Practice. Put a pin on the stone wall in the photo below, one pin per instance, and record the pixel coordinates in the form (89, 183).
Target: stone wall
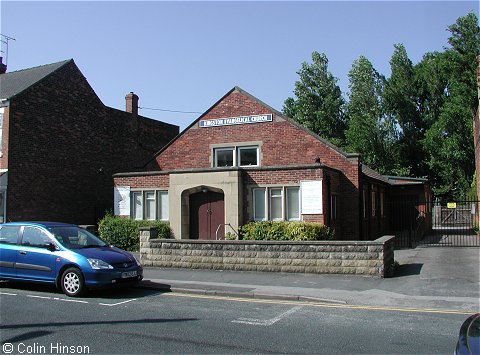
(371, 258)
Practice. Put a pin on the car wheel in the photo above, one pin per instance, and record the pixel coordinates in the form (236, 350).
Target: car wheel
(72, 282)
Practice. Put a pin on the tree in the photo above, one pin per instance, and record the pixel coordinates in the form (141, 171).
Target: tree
(401, 101)
(448, 140)
(319, 103)
(370, 132)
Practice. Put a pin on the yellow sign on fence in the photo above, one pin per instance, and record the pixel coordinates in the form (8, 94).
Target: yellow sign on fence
(451, 205)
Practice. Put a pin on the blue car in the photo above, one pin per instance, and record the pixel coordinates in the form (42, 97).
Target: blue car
(65, 255)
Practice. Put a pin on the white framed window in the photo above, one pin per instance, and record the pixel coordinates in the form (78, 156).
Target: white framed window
(137, 205)
(149, 205)
(163, 205)
(236, 156)
(276, 204)
(224, 157)
(259, 204)
(293, 203)
(150, 210)
(247, 156)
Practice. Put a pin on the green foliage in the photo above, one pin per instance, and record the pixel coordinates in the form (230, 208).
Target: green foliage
(370, 132)
(124, 233)
(416, 123)
(319, 103)
(448, 139)
(289, 231)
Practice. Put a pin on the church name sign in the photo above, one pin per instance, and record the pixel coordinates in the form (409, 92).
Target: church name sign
(231, 121)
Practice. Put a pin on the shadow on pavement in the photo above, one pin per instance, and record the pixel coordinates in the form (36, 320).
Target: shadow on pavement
(408, 270)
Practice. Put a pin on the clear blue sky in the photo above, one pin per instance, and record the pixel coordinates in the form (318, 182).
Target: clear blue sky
(186, 55)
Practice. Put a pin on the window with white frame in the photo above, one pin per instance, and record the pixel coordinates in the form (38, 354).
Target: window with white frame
(162, 212)
(236, 156)
(259, 204)
(137, 205)
(149, 205)
(276, 203)
(224, 157)
(293, 203)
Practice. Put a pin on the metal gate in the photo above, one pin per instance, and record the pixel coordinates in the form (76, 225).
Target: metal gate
(435, 223)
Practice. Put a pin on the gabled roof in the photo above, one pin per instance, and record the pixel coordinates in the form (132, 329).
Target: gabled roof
(13, 83)
(290, 120)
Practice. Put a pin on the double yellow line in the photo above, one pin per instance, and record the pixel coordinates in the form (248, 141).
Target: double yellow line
(324, 305)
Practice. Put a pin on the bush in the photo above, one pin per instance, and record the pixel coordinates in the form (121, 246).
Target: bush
(292, 231)
(124, 233)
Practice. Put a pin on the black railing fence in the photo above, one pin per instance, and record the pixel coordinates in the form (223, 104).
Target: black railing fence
(434, 223)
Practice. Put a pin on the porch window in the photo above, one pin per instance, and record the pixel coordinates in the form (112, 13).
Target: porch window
(374, 203)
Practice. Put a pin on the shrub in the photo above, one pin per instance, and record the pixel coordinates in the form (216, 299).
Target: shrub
(295, 231)
(124, 233)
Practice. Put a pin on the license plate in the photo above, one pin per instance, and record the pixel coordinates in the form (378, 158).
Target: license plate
(129, 274)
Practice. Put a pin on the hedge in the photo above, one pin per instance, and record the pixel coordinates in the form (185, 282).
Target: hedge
(295, 231)
(124, 233)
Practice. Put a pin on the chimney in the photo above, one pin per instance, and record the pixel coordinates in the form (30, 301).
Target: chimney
(131, 101)
(3, 67)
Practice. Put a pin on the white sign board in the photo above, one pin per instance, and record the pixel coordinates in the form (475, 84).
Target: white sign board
(231, 121)
(121, 200)
(311, 192)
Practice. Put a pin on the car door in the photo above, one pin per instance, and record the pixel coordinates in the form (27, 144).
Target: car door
(9, 236)
(35, 260)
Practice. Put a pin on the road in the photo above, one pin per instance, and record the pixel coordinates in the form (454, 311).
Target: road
(39, 320)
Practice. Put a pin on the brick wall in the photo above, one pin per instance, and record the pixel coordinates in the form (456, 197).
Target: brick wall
(64, 146)
(372, 258)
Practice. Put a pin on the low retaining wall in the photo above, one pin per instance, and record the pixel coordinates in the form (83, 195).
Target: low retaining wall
(373, 258)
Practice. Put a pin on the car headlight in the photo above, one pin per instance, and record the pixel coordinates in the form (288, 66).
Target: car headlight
(137, 261)
(99, 264)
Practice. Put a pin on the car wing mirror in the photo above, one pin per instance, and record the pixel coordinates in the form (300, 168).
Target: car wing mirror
(50, 246)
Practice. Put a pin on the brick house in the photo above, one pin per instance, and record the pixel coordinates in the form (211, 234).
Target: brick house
(241, 161)
(60, 145)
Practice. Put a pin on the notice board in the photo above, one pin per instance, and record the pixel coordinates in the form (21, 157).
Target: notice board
(311, 196)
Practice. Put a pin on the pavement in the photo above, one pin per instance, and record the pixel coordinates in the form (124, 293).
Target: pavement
(445, 278)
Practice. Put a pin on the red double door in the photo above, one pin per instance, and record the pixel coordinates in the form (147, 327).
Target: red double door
(207, 212)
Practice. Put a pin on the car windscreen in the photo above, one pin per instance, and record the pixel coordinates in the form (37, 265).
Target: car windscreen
(76, 238)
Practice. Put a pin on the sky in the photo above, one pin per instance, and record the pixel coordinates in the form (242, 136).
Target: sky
(184, 56)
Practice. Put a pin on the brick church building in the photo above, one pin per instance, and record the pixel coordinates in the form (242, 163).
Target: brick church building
(244, 161)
